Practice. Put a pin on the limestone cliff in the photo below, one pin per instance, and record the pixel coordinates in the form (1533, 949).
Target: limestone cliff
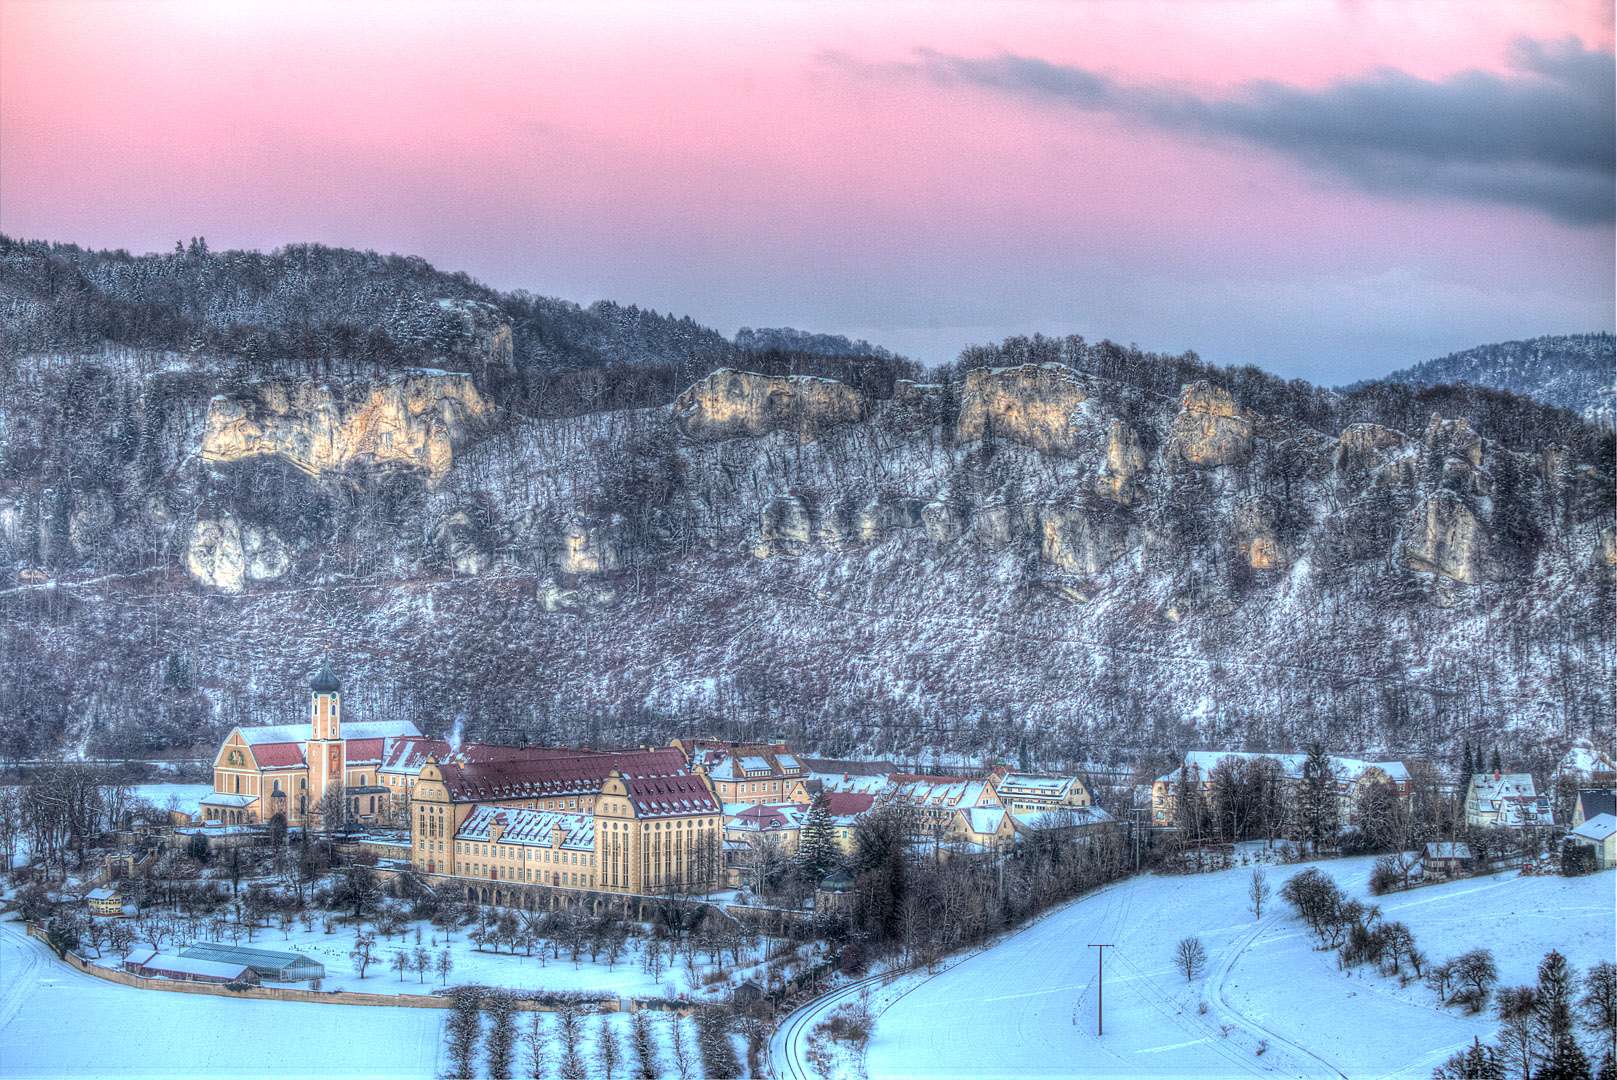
(730, 403)
(1210, 428)
(1258, 535)
(1363, 448)
(1032, 405)
(1446, 537)
(226, 554)
(416, 422)
(1120, 478)
(1080, 541)
(1454, 439)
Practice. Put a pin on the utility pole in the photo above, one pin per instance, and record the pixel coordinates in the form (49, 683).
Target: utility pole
(1137, 826)
(1100, 986)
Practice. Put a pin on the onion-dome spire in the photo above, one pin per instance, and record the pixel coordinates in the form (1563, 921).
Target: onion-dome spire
(325, 680)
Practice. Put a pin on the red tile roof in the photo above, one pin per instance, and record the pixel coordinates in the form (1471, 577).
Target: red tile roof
(279, 755)
(480, 773)
(365, 751)
(849, 803)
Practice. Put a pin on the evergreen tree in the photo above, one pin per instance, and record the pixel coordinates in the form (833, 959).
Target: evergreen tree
(1320, 810)
(1496, 764)
(816, 845)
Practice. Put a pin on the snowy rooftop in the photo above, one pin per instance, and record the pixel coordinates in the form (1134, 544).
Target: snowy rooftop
(529, 827)
(1049, 787)
(1597, 828)
(299, 733)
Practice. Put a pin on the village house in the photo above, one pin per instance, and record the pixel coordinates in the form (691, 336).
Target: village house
(1506, 800)
(747, 772)
(1599, 833)
(1591, 803)
(287, 769)
(1031, 792)
(1445, 858)
(846, 808)
(105, 902)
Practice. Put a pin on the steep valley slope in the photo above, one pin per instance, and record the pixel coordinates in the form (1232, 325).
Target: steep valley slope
(1017, 554)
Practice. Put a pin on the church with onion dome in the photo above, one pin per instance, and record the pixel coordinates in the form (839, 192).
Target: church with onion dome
(291, 769)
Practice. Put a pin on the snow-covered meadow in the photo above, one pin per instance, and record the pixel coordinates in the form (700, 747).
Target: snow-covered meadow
(1273, 1002)
(59, 1022)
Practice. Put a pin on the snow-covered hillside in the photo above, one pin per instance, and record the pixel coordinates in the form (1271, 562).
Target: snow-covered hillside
(1274, 1004)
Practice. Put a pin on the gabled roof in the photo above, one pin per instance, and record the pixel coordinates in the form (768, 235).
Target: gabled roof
(985, 820)
(748, 761)
(1494, 786)
(657, 795)
(1597, 801)
(278, 755)
(1034, 786)
(940, 792)
(1597, 828)
(486, 773)
(849, 804)
(407, 755)
(765, 818)
(1447, 849)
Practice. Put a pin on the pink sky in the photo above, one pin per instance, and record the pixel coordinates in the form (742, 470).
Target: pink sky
(793, 164)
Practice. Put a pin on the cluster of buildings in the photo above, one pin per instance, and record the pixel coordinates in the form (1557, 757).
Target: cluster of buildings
(688, 817)
(648, 821)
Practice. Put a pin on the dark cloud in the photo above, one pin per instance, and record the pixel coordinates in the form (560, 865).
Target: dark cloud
(1540, 136)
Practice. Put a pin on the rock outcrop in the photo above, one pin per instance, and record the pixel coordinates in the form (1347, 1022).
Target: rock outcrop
(592, 546)
(1363, 448)
(1032, 405)
(785, 526)
(1081, 541)
(1210, 428)
(226, 554)
(462, 543)
(729, 404)
(1445, 536)
(1120, 476)
(416, 422)
(1258, 540)
(1454, 439)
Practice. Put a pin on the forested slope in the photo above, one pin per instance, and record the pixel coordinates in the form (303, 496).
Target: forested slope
(610, 525)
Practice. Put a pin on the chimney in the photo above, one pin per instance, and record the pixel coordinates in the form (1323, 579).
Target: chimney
(1496, 775)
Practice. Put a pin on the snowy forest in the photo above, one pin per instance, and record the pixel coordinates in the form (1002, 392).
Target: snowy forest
(607, 525)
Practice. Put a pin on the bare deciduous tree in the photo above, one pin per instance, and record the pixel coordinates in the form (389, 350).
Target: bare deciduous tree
(1190, 957)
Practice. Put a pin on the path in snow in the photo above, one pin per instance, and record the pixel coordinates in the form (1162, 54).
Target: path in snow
(1027, 1006)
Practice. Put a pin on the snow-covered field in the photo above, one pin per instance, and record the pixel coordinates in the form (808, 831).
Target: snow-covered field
(1027, 1007)
(58, 1022)
(185, 797)
(55, 1021)
(626, 978)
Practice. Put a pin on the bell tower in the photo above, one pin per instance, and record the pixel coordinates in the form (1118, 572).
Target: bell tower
(326, 751)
